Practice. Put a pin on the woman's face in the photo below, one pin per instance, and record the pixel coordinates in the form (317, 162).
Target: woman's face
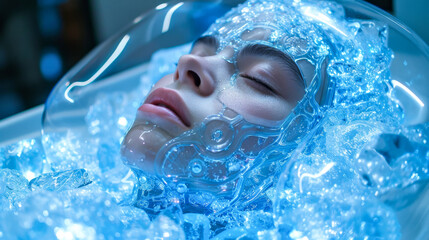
(266, 88)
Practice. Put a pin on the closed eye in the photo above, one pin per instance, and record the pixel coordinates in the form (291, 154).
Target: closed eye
(259, 82)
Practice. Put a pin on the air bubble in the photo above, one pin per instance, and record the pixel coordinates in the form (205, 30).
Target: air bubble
(196, 168)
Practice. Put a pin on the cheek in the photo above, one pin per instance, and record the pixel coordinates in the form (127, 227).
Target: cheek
(262, 110)
(201, 108)
(165, 81)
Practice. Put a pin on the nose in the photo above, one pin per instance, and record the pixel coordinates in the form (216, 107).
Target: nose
(197, 72)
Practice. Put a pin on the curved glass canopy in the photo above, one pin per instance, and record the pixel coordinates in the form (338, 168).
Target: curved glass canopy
(114, 65)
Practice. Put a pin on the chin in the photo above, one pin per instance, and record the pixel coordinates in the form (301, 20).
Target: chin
(141, 144)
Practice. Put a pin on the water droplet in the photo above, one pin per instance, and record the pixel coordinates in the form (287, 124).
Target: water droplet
(181, 188)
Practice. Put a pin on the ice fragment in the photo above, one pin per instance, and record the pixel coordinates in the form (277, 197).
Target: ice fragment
(60, 181)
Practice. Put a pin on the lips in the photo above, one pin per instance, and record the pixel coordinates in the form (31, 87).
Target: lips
(166, 104)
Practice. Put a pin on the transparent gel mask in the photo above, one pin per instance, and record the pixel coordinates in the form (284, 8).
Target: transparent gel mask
(222, 153)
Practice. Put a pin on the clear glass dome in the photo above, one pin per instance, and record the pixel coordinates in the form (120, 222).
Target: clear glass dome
(118, 64)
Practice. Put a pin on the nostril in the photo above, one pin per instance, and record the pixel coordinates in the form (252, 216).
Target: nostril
(195, 77)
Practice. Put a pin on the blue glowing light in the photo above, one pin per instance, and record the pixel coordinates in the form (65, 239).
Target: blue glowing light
(51, 65)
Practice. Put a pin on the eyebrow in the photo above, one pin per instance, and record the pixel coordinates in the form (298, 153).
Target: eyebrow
(208, 40)
(270, 52)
